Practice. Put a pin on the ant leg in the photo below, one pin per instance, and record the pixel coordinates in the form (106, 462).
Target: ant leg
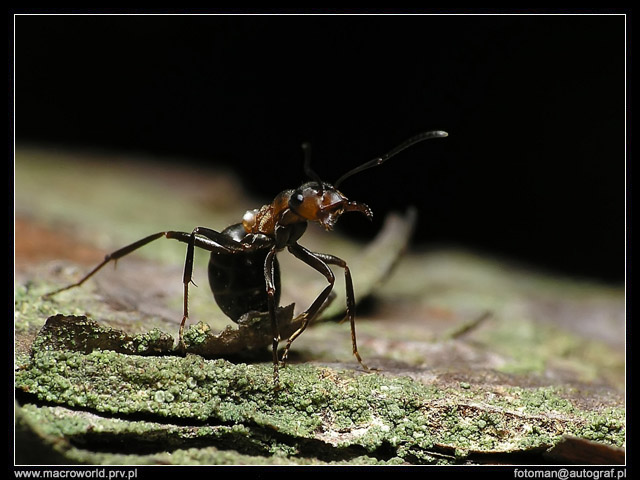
(210, 240)
(219, 240)
(269, 276)
(351, 299)
(317, 263)
(115, 256)
(111, 256)
(187, 277)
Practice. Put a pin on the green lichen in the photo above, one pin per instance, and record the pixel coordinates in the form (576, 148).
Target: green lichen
(30, 311)
(82, 334)
(197, 334)
(607, 426)
(338, 410)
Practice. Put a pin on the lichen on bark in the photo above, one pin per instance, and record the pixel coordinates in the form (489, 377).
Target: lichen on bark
(475, 359)
(336, 414)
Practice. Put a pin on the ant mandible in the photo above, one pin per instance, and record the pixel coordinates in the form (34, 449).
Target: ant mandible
(244, 274)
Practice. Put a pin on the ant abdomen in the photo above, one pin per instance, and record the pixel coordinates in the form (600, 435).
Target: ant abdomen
(237, 279)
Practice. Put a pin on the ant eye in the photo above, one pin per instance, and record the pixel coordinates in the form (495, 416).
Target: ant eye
(296, 199)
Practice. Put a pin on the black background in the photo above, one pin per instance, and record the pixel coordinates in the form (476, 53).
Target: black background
(533, 169)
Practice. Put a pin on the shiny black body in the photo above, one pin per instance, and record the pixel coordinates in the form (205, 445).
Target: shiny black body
(237, 278)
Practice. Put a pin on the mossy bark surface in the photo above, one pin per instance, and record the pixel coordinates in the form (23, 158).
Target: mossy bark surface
(474, 360)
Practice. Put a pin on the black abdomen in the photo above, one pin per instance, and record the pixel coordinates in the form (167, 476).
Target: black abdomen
(237, 279)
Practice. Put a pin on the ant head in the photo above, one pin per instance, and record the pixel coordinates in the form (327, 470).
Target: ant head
(323, 203)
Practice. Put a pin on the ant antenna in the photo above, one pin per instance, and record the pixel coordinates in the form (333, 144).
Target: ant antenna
(307, 166)
(380, 160)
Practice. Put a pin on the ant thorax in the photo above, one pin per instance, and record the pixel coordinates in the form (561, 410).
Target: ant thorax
(265, 219)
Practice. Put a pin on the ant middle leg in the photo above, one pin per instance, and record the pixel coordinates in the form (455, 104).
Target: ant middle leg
(271, 285)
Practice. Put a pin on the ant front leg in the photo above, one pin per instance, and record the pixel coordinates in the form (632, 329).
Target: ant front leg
(351, 300)
(316, 262)
(320, 262)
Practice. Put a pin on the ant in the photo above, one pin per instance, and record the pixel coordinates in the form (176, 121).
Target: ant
(244, 273)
